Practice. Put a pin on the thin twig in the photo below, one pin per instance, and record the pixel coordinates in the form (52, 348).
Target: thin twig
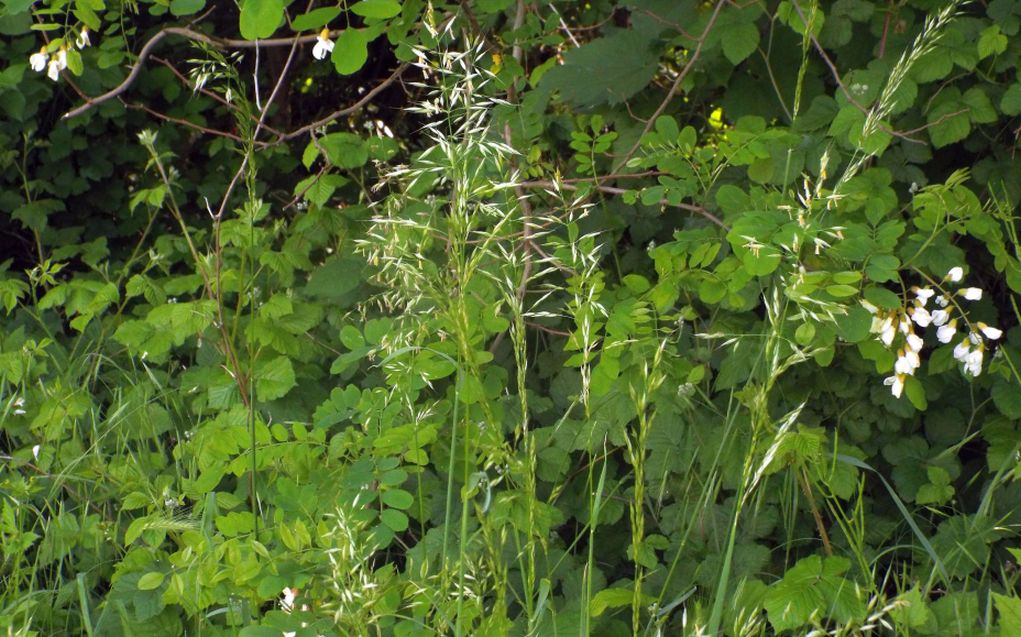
(210, 94)
(183, 122)
(136, 68)
(258, 126)
(843, 88)
(675, 87)
(368, 97)
(612, 190)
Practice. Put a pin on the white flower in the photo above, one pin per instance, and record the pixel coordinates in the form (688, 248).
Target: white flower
(956, 274)
(946, 332)
(940, 317)
(962, 349)
(287, 603)
(83, 38)
(62, 58)
(973, 362)
(35, 451)
(887, 331)
(915, 342)
(923, 295)
(38, 60)
(868, 306)
(896, 384)
(942, 301)
(972, 294)
(907, 362)
(920, 316)
(990, 332)
(53, 70)
(324, 45)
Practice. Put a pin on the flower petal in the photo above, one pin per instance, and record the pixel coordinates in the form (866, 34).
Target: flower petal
(990, 332)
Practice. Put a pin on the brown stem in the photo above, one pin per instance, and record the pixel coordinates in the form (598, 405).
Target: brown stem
(136, 68)
(806, 488)
(568, 185)
(673, 88)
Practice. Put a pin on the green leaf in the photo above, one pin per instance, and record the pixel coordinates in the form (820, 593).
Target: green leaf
(17, 6)
(1007, 398)
(396, 521)
(1010, 103)
(376, 8)
(812, 589)
(915, 393)
(991, 42)
(274, 379)
(610, 598)
(260, 18)
(492, 6)
(882, 298)
(345, 150)
(397, 498)
(1009, 609)
(949, 120)
(186, 7)
(350, 51)
(762, 262)
(801, 18)
(804, 334)
(351, 337)
(854, 326)
(151, 581)
(841, 291)
(739, 41)
(337, 279)
(980, 109)
(315, 19)
(607, 70)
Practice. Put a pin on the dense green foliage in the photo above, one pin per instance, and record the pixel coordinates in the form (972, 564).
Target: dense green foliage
(508, 318)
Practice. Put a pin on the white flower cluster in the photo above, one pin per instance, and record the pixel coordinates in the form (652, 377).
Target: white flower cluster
(888, 324)
(54, 65)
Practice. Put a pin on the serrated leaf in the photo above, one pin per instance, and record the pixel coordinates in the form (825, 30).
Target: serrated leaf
(991, 42)
(345, 150)
(274, 379)
(1009, 609)
(949, 122)
(610, 598)
(1007, 398)
(606, 70)
(1010, 103)
(260, 18)
(350, 51)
